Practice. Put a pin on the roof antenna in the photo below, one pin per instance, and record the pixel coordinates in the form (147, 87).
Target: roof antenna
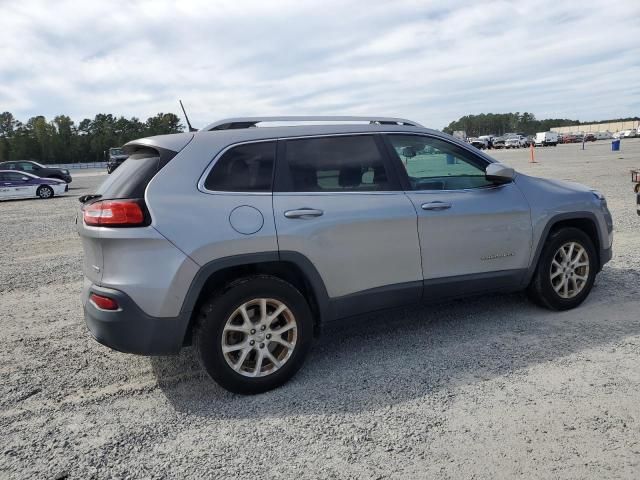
(191, 129)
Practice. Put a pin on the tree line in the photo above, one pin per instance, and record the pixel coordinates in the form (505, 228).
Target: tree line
(500, 123)
(61, 140)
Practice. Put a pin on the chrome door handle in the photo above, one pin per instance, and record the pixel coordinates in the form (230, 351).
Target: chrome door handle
(303, 213)
(436, 206)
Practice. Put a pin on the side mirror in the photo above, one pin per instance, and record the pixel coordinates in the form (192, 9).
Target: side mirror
(499, 173)
(24, 179)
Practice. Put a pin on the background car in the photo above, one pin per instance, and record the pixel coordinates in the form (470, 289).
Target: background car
(589, 137)
(544, 139)
(480, 143)
(37, 169)
(15, 184)
(498, 142)
(516, 141)
(115, 157)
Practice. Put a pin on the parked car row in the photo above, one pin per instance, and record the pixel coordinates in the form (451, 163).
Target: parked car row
(543, 139)
(578, 137)
(29, 179)
(508, 140)
(626, 134)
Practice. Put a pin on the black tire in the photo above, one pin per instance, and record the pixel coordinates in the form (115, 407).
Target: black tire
(44, 191)
(214, 313)
(541, 290)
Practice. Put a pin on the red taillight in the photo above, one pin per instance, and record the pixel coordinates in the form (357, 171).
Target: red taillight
(114, 213)
(105, 303)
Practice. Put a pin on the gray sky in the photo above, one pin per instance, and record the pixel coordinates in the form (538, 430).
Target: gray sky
(429, 61)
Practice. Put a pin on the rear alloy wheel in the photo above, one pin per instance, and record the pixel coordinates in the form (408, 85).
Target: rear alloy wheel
(255, 335)
(566, 270)
(259, 337)
(45, 191)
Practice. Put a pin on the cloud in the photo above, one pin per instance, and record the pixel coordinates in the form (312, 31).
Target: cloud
(429, 61)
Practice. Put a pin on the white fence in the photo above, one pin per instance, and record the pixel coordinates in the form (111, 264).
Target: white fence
(72, 166)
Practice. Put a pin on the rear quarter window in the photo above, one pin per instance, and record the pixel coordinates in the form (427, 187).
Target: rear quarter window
(244, 168)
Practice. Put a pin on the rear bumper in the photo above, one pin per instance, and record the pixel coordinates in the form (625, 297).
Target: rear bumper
(129, 329)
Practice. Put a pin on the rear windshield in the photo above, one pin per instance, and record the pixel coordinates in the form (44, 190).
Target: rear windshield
(131, 178)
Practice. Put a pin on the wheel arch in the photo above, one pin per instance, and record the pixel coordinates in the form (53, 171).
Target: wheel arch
(291, 267)
(584, 221)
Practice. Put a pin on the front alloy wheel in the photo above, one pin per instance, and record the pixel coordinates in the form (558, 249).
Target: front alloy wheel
(45, 191)
(566, 270)
(569, 270)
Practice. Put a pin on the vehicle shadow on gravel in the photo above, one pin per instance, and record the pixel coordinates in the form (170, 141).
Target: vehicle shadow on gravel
(395, 356)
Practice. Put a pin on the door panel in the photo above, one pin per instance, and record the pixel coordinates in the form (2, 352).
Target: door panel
(468, 225)
(339, 203)
(482, 230)
(16, 186)
(359, 242)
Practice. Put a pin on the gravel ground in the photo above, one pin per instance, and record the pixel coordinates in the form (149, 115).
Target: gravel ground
(489, 387)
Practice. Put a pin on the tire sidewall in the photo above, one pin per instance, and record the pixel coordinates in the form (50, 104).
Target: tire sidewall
(556, 240)
(44, 188)
(215, 315)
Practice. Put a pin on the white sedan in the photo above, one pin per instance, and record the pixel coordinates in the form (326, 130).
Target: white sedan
(15, 184)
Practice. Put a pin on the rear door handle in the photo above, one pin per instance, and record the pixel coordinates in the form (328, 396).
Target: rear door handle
(303, 213)
(436, 206)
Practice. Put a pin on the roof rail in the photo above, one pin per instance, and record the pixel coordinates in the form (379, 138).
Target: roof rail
(248, 122)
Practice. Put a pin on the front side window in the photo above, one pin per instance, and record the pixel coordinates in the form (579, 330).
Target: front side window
(28, 166)
(14, 177)
(336, 164)
(245, 168)
(434, 164)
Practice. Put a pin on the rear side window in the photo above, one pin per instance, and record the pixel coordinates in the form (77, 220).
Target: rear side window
(336, 164)
(245, 168)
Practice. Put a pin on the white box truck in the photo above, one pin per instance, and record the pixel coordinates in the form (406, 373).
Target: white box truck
(546, 138)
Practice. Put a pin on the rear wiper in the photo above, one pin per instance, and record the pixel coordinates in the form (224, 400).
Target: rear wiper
(86, 198)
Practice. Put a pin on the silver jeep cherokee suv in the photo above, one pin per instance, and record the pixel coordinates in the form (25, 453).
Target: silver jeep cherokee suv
(242, 241)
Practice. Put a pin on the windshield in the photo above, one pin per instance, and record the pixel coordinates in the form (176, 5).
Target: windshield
(116, 151)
